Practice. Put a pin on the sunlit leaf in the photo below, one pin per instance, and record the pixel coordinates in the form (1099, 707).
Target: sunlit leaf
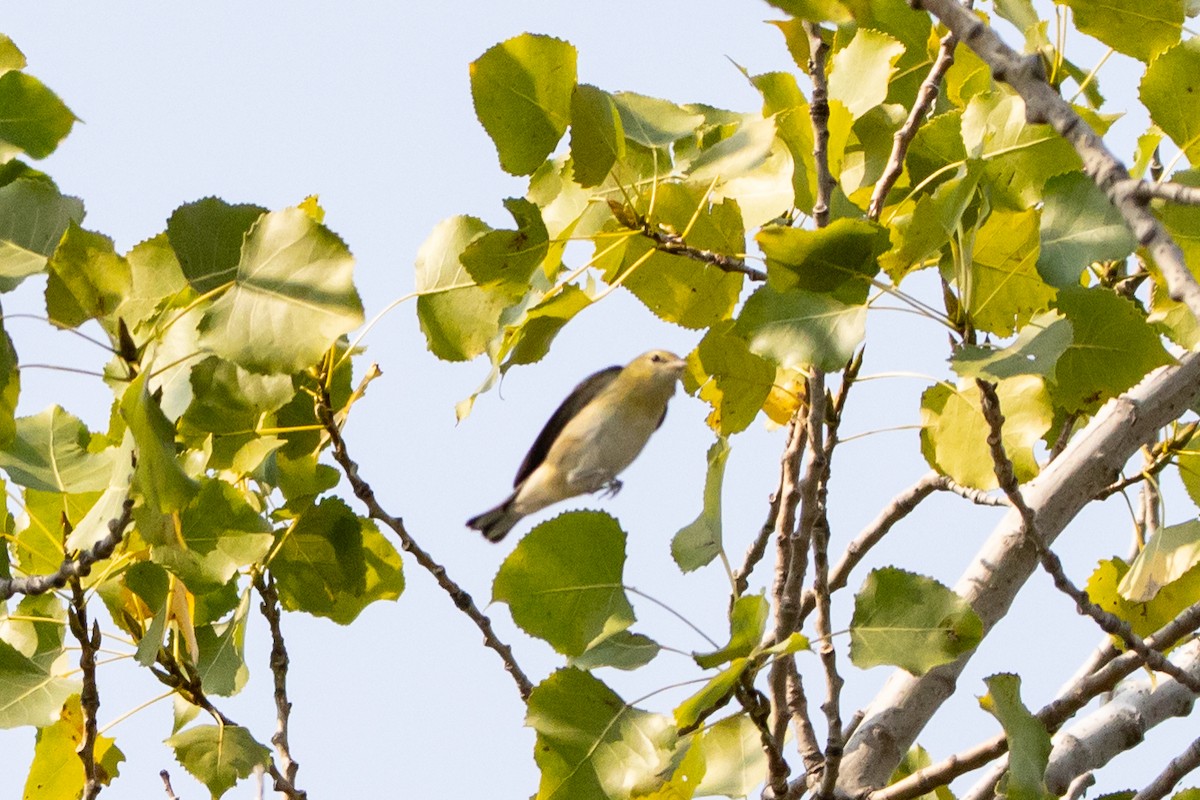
(33, 218)
(716, 691)
(222, 661)
(504, 260)
(731, 379)
(1002, 289)
(1170, 552)
(1138, 28)
(697, 544)
(652, 122)
(862, 69)
(218, 755)
(88, 280)
(522, 91)
(292, 298)
(1079, 226)
(787, 105)
(50, 453)
(733, 757)
(159, 474)
(622, 650)
(910, 621)
(1143, 617)
(32, 690)
(57, 769)
(840, 259)
(1035, 351)
(747, 621)
(32, 118)
(796, 329)
(597, 137)
(1170, 83)
(563, 582)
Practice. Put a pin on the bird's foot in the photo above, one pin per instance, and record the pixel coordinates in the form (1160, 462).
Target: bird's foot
(611, 488)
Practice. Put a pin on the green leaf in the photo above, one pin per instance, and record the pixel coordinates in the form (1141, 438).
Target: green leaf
(505, 260)
(522, 91)
(36, 629)
(597, 138)
(1170, 83)
(32, 118)
(921, 235)
(1035, 351)
(50, 453)
(840, 259)
(1113, 348)
(222, 661)
(458, 318)
(786, 104)
(910, 621)
(954, 431)
(228, 399)
(1079, 226)
(734, 761)
(57, 770)
(816, 10)
(32, 690)
(218, 755)
(591, 745)
(93, 526)
(1138, 29)
(1018, 157)
(1170, 553)
(697, 544)
(207, 237)
(1143, 618)
(737, 154)
(159, 474)
(713, 693)
(796, 329)
(1002, 289)
(623, 650)
(1028, 741)
(33, 218)
(915, 760)
(88, 280)
(677, 289)
(682, 782)
(156, 275)
(528, 341)
(731, 379)
(334, 564)
(654, 123)
(862, 69)
(292, 299)
(219, 533)
(563, 582)
(11, 56)
(747, 621)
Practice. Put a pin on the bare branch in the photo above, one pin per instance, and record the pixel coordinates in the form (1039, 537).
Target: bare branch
(674, 244)
(1043, 104)
(89, 695)
(166, 779)
(903, 137)
(818, 110)
(1162, 453)
(754, 553)
(1171, 192)
(1109, 623)
(78, 566)
(460, 597)
(1166, 780)
(279, 668)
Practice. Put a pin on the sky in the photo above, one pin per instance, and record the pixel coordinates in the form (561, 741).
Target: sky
(368, 106)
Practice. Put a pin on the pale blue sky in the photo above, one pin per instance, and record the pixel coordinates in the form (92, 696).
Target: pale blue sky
(368, 106)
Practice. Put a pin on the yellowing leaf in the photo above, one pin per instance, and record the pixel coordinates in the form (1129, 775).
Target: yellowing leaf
(1002, 289)
(862, 69)
(1170, 553)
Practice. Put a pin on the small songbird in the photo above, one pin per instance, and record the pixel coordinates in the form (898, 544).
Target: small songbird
(597, 432)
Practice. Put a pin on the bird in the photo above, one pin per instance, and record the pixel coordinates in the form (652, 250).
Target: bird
(594, 434)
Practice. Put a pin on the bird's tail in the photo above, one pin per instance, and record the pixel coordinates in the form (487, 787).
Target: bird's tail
(496, 523)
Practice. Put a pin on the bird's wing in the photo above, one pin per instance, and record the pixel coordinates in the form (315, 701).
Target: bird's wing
(579, 397)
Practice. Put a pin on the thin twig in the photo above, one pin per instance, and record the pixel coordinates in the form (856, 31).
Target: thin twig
(1109, 623)
(458, 595)
(1162, 454)
(1079, 786)
(89, 695)
(279, 668)
(77, 566)
(903, 137)
(758, 548)
(1166, 780)
(674, 244)
(1171, 192)
(166, 779)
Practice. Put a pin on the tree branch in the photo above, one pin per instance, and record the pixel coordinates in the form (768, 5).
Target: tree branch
(1044, 105)
(1091, 461)
(89, 696)
(1171, 192)
(279, 668)
(460, 597)
(78, 566)
(1166, 780)
(674, 244)
(818, 110)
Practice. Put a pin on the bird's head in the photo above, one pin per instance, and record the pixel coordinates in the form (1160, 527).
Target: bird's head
(657, 367)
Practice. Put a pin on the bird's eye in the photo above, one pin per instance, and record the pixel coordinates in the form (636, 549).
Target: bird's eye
(657, 358)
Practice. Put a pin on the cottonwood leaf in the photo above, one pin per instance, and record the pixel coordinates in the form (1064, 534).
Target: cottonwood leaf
(730, 378)
(32, 118)
(677, 289)
(1169, 553)
(910, 621)
(691, 710)
(734, 761)
(797, 329)
(597, 136)
(49, 452)
(218, 755)
(87, 280)
(57, 770)
(622, 650)
(1169, 89)
(591, 745)
(222, 660)
(563, 582)
(504, 260)
(1028, 741)
(1035, 351)
(32, 690)
(817, 10)
(786, 104)
(334, 564)
(207, 237)
(840, 259)
(1133, 27)
(747, 621)
(954, 431)
(699, 543)
(159, 475)
(1079, 226)
(293, 297)
(1112, 349)
(33, 217)
(1003, 289)
(653, 123)
(522, 92)
(862, 69)
(1143, 618)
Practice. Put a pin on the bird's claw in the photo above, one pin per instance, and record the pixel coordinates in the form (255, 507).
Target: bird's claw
(611, 488)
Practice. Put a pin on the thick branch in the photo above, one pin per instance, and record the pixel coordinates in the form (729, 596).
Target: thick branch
(460, 597)
(89, 696)
(818, 110)
(1171, 192)
(78, 566)
(1091, 461)
(1043, 104)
